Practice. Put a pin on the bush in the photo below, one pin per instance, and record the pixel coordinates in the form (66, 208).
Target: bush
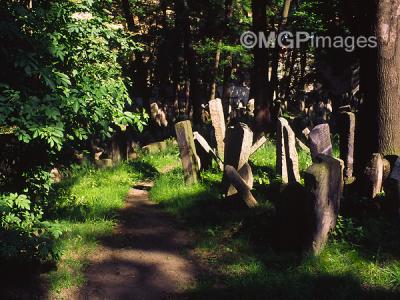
(23, 234)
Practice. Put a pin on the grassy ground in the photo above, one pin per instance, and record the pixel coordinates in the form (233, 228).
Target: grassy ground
(235, 245)
(86, 206)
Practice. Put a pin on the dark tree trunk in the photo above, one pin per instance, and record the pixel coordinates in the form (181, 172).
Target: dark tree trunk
(182, 13)
(138, 68)
(275, 60)
(379, 116)
(259, 78)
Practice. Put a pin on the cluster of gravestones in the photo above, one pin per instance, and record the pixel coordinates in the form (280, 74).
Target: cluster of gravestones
(306, 213)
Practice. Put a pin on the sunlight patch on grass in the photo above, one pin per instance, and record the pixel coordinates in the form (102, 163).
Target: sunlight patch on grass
(170, 190)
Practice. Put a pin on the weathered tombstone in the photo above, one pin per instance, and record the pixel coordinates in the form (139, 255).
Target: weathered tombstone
(187, 149)
(218, 122)
(205, 152)
(324, 185)
(241, 186)
(258, 144)
(373, 176)
(104, 163)
(301, 145)
(238, 142)
(392, 188)
(287, 163)
(155, 147)
(320, 141)
(247, 175)
(347, 124)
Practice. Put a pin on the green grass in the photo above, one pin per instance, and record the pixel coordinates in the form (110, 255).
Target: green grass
(235, 245)
(164, 159)
(85, 204)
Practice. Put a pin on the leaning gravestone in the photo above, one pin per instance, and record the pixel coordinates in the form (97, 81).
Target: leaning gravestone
(287, 163)
(218, 122)
(324, 186)
(238, 142)
(392, 188)
(240, 185)
(373, 176)
(208, 152)
(320, 141)
(347, 124)
(247, 175)
(187, 149)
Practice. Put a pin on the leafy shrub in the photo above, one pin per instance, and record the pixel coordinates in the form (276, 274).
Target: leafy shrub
(23, 234)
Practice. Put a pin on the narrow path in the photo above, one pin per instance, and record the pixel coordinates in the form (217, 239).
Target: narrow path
(145, 257)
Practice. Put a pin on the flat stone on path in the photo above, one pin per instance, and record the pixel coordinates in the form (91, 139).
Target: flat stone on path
(144, 258)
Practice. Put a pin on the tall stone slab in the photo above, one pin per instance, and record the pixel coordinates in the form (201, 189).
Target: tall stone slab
(324, 186)
(320, 141)
(287, 162)
(392, 188)
(218, 122)
(373, 176)
(187, 149)
(347, 126)
(238, 143)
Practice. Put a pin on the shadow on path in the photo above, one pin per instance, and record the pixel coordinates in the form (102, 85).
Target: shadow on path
(147, 256)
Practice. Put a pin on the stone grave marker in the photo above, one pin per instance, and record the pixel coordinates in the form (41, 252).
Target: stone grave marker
(324, 187)
(320, 141)
(187, 149)
(218, 122)
(347, 126)
(286, 155)
(373, 176)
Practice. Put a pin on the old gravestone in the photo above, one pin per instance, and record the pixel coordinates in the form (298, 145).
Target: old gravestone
(392, 188)
(347, 123)
(205, 152)
(324, 188)
(373, 176)
(238, 142)
(320, 141)
(187, 149)
(238, 180)
(218, 122)
(287, 163)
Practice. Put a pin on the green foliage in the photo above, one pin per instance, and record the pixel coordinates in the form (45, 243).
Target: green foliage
(68, 55)
(346, 230)
(23, 234)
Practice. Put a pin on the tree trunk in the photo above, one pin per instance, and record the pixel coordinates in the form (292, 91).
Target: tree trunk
(388, 114)
(259, 78)
(182, 10)
(275, 61)
(379, 117)
(137, 66)
(214, 75)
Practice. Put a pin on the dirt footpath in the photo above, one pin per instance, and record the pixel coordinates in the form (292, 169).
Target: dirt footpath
(145, 258)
